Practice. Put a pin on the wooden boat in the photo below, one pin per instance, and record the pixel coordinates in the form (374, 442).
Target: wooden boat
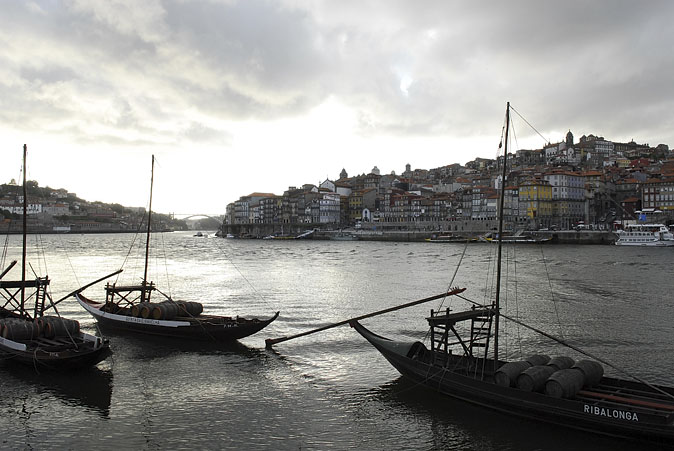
(463, 362)
(132, 309)
(517, 238)
(28, 335)
(450, 239)
(167, 318)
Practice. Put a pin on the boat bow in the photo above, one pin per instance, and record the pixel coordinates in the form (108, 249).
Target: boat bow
(387, 346)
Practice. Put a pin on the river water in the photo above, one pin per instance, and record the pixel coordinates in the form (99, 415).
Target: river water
(329, 390)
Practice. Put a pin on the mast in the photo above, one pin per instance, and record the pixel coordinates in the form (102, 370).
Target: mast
(500, 238)
(147, 241)
(23, 252)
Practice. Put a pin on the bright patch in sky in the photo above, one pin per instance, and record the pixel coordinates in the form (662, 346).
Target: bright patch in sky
(405, 83)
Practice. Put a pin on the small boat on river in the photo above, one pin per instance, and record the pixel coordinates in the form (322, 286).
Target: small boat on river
(133, 308)
(519, 237)
(32, 332)
(463, 362)
(451, 239)
(653, 235)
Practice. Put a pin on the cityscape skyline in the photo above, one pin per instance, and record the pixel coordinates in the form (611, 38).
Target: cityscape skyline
(234, 97)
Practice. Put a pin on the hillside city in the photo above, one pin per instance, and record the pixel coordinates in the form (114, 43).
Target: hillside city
(52, 210)
(593, 183)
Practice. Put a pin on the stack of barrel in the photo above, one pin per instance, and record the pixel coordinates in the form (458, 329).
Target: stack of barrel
(45, 326)
(190, 308)
(559, 377)
(166, 310)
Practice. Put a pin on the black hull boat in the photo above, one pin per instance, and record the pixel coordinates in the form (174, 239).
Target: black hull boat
(184, 326)
(80, 351)
(133, 309)
(463, 362)
(613, 407)
(31, 337)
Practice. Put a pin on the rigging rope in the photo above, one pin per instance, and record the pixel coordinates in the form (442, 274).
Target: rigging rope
(527, 122)
(4, 249)
(552, 294)
(168, 280)
(70, 263)
(241, 274)
(517, 304)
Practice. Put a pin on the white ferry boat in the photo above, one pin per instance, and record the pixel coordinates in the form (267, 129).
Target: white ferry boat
(645, 235)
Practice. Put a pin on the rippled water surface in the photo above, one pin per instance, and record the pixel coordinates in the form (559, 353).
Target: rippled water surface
(329, 390)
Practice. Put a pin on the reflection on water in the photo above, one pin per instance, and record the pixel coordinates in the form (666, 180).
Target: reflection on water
(90, 389)
(332, 389)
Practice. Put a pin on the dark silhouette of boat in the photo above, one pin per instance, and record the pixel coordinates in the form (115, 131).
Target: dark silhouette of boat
(133, 309)
(28, 335)
(463, 362)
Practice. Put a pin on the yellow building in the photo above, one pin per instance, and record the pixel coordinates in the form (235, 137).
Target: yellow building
(535, 200)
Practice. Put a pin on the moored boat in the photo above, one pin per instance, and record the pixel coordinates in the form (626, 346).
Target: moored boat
(450, 239)
(518, 237)
(463, 361)
(32, 332)
(132, 308)
(167, 318)
(654, 235)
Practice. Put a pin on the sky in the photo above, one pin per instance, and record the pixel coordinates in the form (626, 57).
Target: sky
(234, 97)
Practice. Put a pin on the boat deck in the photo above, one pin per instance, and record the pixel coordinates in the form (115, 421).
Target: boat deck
(55, 344)
(637, 397)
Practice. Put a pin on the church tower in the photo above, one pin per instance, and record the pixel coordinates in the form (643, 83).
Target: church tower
(569, 139)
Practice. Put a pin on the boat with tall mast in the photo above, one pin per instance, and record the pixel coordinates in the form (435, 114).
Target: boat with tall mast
(132, 308)
(29, 335)
(463, 362)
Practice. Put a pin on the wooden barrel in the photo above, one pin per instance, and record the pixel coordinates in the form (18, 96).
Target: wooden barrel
(146, 309)
(44, 322)
(538, 359)
(534, 378)
(59, 327)
(194, 308)
(21, 330)
(135, 309)
(561, 362)
(164, 310)
(564, 383)
(593, 371)
(507, 374)
(182, 309)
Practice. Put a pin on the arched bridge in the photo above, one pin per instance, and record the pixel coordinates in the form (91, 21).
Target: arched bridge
(186, 216)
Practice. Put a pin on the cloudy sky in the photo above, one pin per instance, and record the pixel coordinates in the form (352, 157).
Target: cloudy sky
(240, 96)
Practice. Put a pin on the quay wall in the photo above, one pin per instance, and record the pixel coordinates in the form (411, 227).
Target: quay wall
(420, 232)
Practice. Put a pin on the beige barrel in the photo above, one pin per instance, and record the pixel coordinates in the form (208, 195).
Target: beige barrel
(21, 330)
(53, 326)
(146, 309)
(164, 310)
(136, 308)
